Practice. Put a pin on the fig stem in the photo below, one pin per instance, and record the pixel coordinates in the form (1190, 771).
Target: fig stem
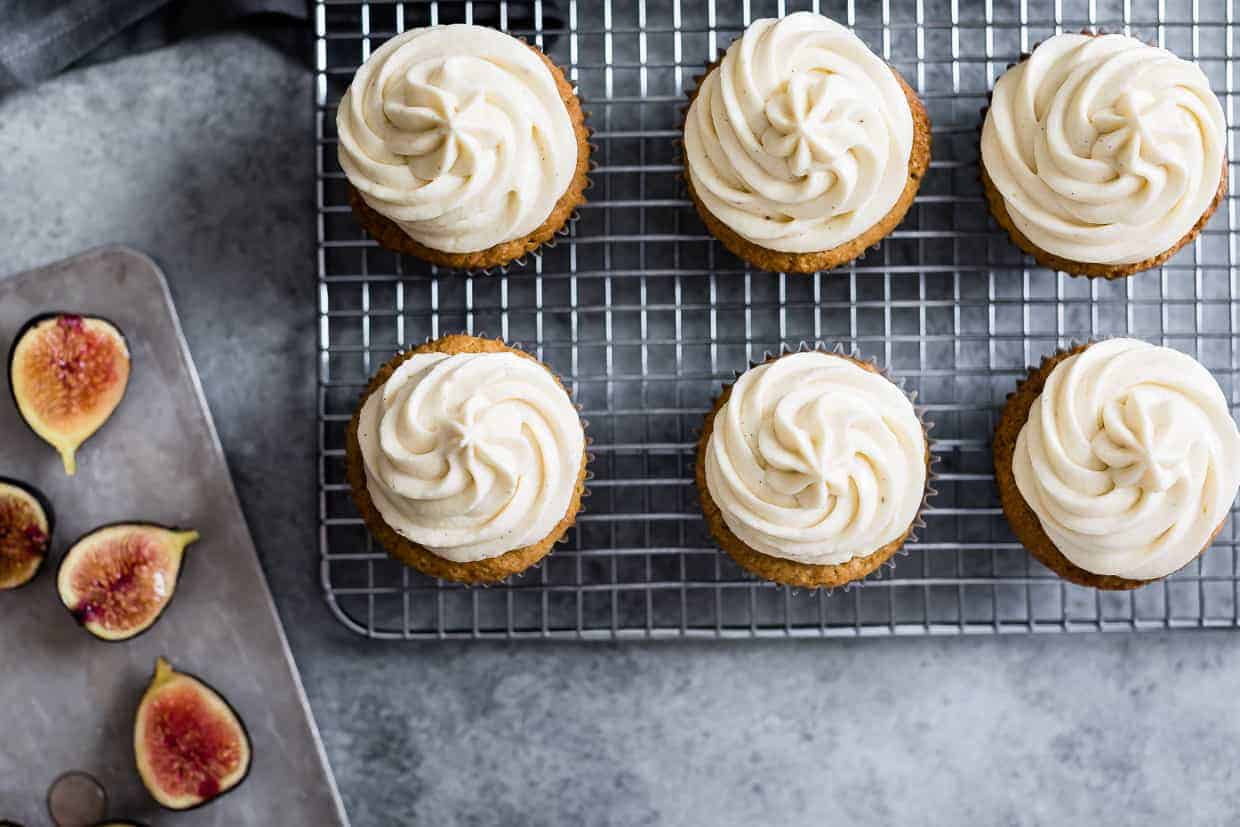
(69, 457)
(188, 537)
(163, 672)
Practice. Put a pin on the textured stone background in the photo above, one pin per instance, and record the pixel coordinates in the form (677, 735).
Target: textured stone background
(201, 155)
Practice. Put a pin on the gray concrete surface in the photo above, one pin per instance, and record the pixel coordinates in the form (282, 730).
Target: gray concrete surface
(202, 156)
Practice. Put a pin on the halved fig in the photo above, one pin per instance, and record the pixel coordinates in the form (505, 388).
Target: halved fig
(25, 532)
(68, 373)
(190, 745)
(118, 579)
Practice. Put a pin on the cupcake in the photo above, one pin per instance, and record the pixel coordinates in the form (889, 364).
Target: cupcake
(463, 146)
(1102, 156)
(1117, 462)
(802, 147)
(466, 459)
(812, 469)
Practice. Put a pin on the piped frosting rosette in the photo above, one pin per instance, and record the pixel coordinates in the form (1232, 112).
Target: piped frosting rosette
(1129, 458)
(816, 459)
(800, 140)
(1105, 150)
(458, 134)
(471, 455)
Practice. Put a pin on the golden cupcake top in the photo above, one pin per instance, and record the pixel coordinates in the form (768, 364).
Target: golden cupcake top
(799, 141)
(1104, 149)
(816, 459)
(471, 455)
(1129, 458)
(459, 135)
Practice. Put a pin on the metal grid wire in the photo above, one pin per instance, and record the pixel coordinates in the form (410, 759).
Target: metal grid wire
(645, 315)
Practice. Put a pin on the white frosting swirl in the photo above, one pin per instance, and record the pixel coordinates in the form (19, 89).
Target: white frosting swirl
(816, 459)
(800, 140)
(459, 135)
(1130, 459)
(471, 455)
(1105, 150)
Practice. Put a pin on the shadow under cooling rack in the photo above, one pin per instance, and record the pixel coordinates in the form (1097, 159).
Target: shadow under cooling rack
(645, 316)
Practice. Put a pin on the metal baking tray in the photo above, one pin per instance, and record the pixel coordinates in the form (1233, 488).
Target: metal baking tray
(645, 316)
(67, 701)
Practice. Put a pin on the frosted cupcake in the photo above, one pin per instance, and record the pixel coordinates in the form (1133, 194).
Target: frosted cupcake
(463, 146)
(1102, 156)
(812, 469)
(1117, 462)
(466, 459)
(802, 147)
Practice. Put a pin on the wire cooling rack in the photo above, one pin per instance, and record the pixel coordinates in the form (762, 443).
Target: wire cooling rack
(644, 315)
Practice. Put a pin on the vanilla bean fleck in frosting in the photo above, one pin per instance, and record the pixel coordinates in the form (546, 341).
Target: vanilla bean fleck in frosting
(1105, 150)
(1129, 458)
(459, 135)
(815, 459)
(471, 455)
(800, 140)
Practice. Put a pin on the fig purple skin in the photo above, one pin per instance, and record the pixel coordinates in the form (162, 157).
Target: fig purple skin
(190, 745)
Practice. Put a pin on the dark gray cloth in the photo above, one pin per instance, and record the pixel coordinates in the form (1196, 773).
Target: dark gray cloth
(39, 38)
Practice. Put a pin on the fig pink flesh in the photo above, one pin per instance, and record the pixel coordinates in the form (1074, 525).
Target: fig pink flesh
(124, 581)
(68, 369)
(189, 746)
